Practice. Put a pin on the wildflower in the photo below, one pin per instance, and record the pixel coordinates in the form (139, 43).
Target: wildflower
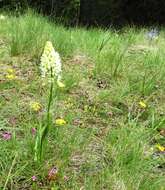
(10, 76)
(10, 71)
(52, 173)
(6, 136)
(60, 122)
(160, 148)
(35, 106)
(50, 62)
(142, 104)
(34, 178)
(60, 84)
(33, 130)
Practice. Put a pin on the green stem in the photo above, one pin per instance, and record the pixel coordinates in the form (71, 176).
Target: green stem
(49, 103)
(44, 129)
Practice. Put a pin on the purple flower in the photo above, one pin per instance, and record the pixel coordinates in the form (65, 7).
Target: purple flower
(34, 178)
(7, 136)
(33, 130)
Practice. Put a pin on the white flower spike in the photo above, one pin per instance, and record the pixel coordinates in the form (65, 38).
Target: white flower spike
(50, 62)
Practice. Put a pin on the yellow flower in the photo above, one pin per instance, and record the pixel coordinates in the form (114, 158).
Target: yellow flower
(10, 76)
(142, 104)
(60, 122)
(10, 71)
(160, 148)
(35, 106)
(60, 84)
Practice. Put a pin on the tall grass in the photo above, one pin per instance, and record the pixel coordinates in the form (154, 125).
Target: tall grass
(29, 33)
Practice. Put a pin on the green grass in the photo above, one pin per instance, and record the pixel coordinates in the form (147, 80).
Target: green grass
(109, 140)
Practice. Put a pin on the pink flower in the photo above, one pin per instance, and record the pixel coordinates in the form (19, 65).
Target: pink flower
(34, 178)
(6, 136)
(34, 130)
(52, 173)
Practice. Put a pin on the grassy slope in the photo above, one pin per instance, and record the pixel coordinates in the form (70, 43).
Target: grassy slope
(109, 141)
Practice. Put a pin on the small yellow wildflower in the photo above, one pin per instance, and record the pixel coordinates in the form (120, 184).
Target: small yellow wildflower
(10, 71)
(160, 148)
(35, 106)
(60, 84)
(142, 104)
(60, 122)
(10, 76)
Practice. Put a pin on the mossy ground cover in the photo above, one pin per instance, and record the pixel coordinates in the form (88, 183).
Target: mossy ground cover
(113, 104)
